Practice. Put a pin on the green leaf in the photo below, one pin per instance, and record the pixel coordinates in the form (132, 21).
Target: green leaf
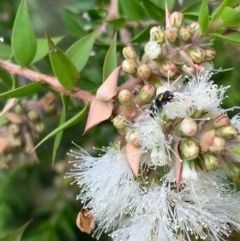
(192, 11)
(203, 18)
(24, 43)
(5, 51)
(16, 234)
(79, 52)
(233, 37)
(117, 22)
(132, 9)
(161, 4)
(231, 17)
(143, 36)
(110, 61)
(154, 11)
(22, 91)
(42, 48)
(63, 68)
(74, 120)
(225, 3)
(58, 137)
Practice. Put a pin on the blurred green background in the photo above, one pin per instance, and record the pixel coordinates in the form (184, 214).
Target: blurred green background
(39, 191)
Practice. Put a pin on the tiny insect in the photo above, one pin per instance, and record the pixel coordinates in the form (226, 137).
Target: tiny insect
(159, 101)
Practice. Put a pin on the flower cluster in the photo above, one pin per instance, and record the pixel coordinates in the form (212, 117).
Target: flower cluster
(170, 174)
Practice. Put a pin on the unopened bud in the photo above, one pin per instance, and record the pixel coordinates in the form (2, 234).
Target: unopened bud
(144, 71)
(194, 26)
(210, 54)
(211, 161)
(227, 132)
(157, 34)
(189, 149)
(14, 128)
(176, 19)
(146, 94)
(16, 142)
(171, 34)
(133, 138)
(119, 122)
(189, 170)
(33, 115)
(152, 50)
(184, 34)
(168, 69)
(217, 145)
(125, 97)
(39, 127)
(197, 55)
(130, 66)
(221, 120)
(188, 70)
(129, 52)
(187, 127)
(234, 171)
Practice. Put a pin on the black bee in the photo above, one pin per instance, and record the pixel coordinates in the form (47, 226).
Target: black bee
(159, 101)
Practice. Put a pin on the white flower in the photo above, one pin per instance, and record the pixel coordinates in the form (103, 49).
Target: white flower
(236, 121)
(199, 94)
(152, 50)
(107, 185)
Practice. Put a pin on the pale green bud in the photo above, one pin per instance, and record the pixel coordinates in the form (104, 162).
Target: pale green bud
(129, 52)
(14, 128)
(184, 34)
(157, 34)
(171, 34)
(217, 145)
(146, 94)
(130, 66)
(188, 70)
(125, 97)
(187, 127)
(119, 122)
(221, 120)
(210, 54)
(189, 149)
(197, 55)
(234, 171)
(144, 71)
(227, 132)
(211, 161)
(133, 138)
(33, 115)
(39, 127)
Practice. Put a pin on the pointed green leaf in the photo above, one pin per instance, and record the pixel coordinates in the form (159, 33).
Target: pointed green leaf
(233, 37)
(5, 51)
(225, 3)
(192, 11)
(79, 52)
(143, 36)
(24, 43)
(231, 17)
(16, 234)
(62, 66)
(110, 61)
(132, 9)
(22, 91)
(58, 137)
(75, 119)
(203, 18)
(42, 48)
(154, 11)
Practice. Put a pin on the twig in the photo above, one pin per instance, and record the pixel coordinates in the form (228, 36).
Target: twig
(49, 80)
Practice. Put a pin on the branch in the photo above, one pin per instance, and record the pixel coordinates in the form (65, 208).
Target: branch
(49, 80)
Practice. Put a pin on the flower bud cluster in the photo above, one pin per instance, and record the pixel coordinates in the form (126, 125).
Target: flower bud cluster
(171, 52)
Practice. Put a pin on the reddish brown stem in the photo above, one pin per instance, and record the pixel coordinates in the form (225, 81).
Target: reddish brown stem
(49, 80)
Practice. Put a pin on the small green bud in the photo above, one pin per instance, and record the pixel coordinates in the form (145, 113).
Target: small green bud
(188, 70)
(194, 26)
(234, 171)
(130, 66)
(14, 128)
(129, 52)
(227, 132)
(221, 120)
(157, 34)
(16, 142)
(176, 19)
(171, 34)
(187, 127)
(33, 115)
(133, 138)
(39, 127)
(146, 95)
(189, 149)
(210, 54)
(184, 34)
(119, 122)
(144, 71)
(125, 97)
(211, 161)
(197, 55)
